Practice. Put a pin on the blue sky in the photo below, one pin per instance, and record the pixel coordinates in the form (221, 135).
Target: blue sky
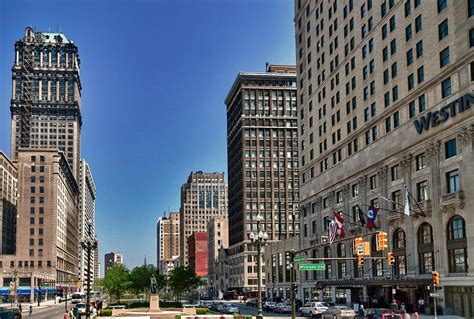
(154, 75)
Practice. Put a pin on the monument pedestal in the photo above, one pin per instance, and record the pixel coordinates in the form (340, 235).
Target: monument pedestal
(154, 303)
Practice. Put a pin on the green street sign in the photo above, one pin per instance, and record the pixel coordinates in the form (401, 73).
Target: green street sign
(299, 259)
(320, 266)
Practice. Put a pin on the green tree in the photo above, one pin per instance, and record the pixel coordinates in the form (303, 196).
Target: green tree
(140, 278)
(183, 280)
(117, 281)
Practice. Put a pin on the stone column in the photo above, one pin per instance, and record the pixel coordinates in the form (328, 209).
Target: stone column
(410, 232)
(439, 245)
(383, 204)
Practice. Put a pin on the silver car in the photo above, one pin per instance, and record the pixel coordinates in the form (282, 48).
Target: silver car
(338, 312)
(230, 309)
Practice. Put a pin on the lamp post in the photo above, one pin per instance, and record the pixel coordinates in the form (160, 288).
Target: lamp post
(259, 239)
(89, 243)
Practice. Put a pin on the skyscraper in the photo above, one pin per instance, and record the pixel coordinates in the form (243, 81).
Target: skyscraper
(8, 201)
(86, 220)
(167, 241)
(46, 95)
(262, 150)
(111, 259)
(386, 92)
(202, 197)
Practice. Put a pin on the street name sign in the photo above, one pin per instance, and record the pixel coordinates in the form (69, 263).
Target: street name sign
(299, 259)
(320, 266)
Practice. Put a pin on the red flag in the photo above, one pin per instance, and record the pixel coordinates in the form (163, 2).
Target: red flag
(339, 219)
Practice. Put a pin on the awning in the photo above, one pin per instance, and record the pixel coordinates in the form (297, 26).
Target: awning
(4, 291)
(353, 283)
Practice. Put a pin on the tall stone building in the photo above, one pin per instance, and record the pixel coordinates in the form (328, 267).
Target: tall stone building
(111, 259)
(167, 242)
(262, 148)
(46, 95)
(86, 221)
(197, 253)
(203, 196)
(217, 238)
(8, 200)
(385, 92)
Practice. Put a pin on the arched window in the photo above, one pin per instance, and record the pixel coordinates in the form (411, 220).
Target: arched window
(341, 265)
(425, 248)
(457, 245)
(399, 251)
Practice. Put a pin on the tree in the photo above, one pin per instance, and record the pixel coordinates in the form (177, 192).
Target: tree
(183, 280)
(117, 281)
(140, 278)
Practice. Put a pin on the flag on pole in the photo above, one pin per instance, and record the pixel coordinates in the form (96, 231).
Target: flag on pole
(407, 203)
(339, 219)
(332, 230)
(372, 213)
(361, 216)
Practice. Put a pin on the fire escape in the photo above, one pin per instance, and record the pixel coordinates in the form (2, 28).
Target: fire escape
(27, 94)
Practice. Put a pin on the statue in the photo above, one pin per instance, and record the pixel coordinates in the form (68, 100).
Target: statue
(153, 286)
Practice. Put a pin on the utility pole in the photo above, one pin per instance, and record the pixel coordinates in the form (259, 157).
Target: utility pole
(294, 286)
(89, 243)
(259, 239)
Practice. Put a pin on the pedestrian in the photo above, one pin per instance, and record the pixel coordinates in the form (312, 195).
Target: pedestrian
(19, 307)
(31, 309)
(421, 305)
(415, 315)
(394, 306)
(361, 312)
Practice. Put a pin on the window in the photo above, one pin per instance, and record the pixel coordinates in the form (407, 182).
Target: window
(409, 57)
(442, 4)
(420, 161)
(471, 38)
(444, 57)
(411, 109)
(408, 33)
(452, 181)
(446, 88)
(457, 245)
(397, 201)
(385, 54)
(470, 4)
(419, 49)
(393, 46)
(417, 3)
(386, 76)
(421, 74)
(422, 103)
(355, 190)
(399, 239)
(384, 31)
(426, 262)
(392, 24)
(387, 99)
(443, 29)
(422, 191)
(394, 70)
(411, 82)
(373, 182)
(407, 8)
(388, 124)
(418, 24)
(395, 93)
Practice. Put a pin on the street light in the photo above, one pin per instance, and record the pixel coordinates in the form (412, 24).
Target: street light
(259, 239)
(89, 243)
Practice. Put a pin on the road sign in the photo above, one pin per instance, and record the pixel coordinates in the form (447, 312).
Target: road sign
(434, 294)
(320, 266)
(299, 259)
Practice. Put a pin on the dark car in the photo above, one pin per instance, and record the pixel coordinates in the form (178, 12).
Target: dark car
(381, 313)
(10, 313)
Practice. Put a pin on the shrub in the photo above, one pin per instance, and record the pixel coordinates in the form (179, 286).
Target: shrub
(201, 311)
(139, 304)
(170, 304)
(105, 313)
(237, 316)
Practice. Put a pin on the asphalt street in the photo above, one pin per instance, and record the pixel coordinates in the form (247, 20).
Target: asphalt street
(246, 310)
(50, 312)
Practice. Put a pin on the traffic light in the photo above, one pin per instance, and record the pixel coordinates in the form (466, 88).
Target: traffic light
(381, 241)
(357, 241)
(360, 261)
(435, 275)
(390, 259)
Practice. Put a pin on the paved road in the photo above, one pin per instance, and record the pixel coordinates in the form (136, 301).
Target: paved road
(245, 310)
(50, 312)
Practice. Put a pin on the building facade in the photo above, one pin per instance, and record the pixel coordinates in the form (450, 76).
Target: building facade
(111, 259)
(86, 221)
(277, 258)
(46, 95)
(385, 107)
(218, 237)
(262, 148)
(197, 253)
(167, 241)
(203, 196)
(47, 222)
(8, 199)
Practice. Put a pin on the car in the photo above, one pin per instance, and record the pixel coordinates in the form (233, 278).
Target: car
(314, 308)
(77, 298)
(381, 313)
(282, 308)
(252, 302)
(81, 308)
(230, 309)
(338, 312)
(269, 305)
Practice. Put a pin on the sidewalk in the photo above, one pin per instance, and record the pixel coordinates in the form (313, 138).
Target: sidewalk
(439, 316)
(26, 305)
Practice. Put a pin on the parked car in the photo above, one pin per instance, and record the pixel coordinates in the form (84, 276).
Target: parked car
(338, 312)
(314, 308)
(252, 302)
(282, 308)
(230, 309)
(269, 305)
(381, 313)
(81, 308)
